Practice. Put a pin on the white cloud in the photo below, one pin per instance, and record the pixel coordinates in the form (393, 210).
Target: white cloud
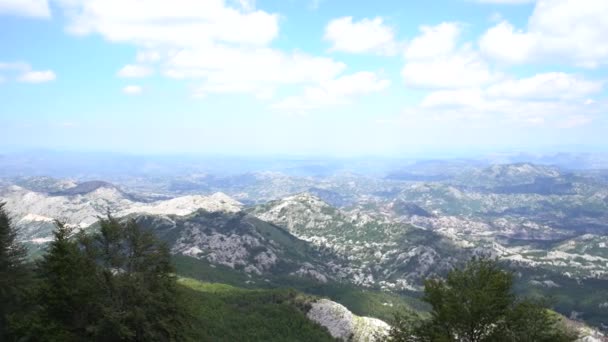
(461, 69)
(247, 5)
(26, 8)
(148, 56)
(545, 87)
(224, 64)
(18, 66)
(471, 106)
(132, 90)
(555, 99)
(434, 41)
(364, 36)
(337, 91)
(37, 76)
(552, 85)
(563, 31)
(23, 72)
(434, 60)
(249, 70)
(134, 71)
(219, 47)
(503, 42)
(179, 23)
(506, 2)
(472, 97)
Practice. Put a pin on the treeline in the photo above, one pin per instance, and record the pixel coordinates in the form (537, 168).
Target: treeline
(116, 284)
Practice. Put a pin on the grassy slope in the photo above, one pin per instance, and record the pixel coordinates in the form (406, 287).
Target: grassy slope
(226, 313)
(362, 302)
(584, 296)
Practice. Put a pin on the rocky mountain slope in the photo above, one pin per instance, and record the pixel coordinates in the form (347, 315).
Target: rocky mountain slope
(241, 242)
(390, 255)
(550, 226)
(81, 205)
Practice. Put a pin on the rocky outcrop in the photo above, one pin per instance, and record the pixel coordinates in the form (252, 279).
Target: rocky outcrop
(344, 325)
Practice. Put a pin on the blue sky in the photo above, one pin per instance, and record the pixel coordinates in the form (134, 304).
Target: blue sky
(303, 76)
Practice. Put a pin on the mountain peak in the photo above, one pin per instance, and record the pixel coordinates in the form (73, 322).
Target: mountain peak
(521, 170)
(187, 204)
(84, 188)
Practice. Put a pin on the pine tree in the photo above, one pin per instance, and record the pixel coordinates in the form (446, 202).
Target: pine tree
(14, 272)
(116, 284)
(68, 293)
(148, 306)
(139, 300)
(476, 304)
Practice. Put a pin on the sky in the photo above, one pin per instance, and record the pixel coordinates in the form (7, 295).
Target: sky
(336, 77)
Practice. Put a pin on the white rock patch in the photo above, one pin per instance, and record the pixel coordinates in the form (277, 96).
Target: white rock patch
(344, 325)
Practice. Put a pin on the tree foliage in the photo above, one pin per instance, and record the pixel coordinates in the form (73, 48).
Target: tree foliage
(114, 285)
(476, 304)
(14, 272)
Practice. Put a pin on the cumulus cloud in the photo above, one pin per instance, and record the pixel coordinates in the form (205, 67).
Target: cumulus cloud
(37, 76)
(462, 69)
(134, 71)
(257, 70)
(503, 42)
(23, 72)
(148, 56)
(434, 60)
(552, 85)
(182, 23)
(434, 41)
(132, 90)
(334, 92)
(557, 99)
(25, 8)
(472, 107)
(371, 36)
(563, 31)
(219, 47)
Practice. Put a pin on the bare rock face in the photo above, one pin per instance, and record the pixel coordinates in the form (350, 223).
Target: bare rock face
(344, 325)
(186, 205)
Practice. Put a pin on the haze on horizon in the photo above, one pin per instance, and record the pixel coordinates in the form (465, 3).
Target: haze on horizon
(303, 77)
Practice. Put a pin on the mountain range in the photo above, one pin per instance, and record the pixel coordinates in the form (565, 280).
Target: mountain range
(377, 236)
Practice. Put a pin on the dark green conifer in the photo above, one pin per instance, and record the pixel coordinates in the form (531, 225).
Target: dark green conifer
(14, 272)
(476, 304)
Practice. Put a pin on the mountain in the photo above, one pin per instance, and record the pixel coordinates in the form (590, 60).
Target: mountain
(509, 174)
(82, 188)
(389, 255)
(361, 241)
(240, 242)
(81, 204)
